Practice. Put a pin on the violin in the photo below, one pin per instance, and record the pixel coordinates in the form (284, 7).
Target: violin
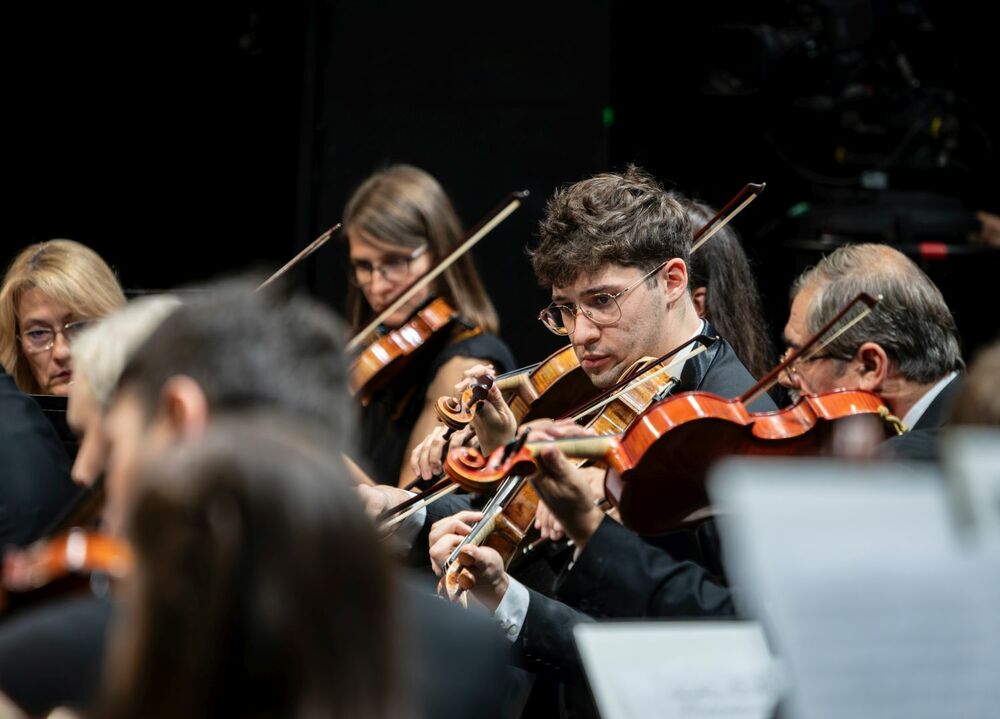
(541, 390)
(77, 551)
(509, 516)
(657, 467)
(384, 359)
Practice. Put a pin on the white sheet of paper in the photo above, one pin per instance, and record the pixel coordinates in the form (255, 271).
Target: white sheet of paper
(695, 670)
(972, 463)
(869, 596)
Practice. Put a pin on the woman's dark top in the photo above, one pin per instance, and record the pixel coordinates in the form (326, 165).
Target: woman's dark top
(388, 420)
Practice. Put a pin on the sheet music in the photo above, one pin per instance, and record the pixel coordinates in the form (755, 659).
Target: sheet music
(868, 593)
(721, 670)
(972, 461)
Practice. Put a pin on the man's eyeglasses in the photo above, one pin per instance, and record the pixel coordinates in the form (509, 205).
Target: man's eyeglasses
(796, 366)
(393, 269)
(601, 309)
(42, 339)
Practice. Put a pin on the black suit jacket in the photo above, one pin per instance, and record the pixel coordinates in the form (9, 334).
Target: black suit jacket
(34, 468)
(921, 441)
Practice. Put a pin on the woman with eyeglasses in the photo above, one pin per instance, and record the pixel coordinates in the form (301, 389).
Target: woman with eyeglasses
(49, 294)
(399, 223)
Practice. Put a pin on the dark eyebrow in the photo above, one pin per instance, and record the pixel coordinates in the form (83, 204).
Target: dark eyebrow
(600, 290)
(589, 292)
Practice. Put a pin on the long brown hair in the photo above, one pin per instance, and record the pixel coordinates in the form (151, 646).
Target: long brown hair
(261, 588)
(404, 206)
(732, 300)
(66, 271)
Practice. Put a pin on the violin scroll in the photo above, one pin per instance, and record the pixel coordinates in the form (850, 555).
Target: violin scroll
(457, 413)
(469, 469)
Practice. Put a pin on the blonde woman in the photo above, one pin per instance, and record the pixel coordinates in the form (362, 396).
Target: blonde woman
(49, 294)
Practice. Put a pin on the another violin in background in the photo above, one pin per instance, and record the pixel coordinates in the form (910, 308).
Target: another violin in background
(77, 552)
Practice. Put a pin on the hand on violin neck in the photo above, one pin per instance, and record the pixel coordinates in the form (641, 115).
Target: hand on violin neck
(427, 458)
(541, 430)
(493, 422)
(566, 490)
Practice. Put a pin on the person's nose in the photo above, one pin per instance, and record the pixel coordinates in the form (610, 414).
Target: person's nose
(586, 332)
(60, 348)
(380, 286)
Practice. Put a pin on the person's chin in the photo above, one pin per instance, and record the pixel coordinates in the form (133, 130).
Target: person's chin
(604, 377)
(59, 385)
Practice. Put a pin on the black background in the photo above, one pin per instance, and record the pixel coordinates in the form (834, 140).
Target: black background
(182, 140)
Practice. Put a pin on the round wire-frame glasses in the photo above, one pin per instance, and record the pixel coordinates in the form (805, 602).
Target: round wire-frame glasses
(601, 308)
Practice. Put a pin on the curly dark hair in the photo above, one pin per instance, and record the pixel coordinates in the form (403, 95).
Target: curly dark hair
(613, 218)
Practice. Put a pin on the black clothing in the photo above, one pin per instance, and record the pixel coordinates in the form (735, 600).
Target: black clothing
(52, 655)
(459, 659)
(388, 419)
(34, 468)
(54, 407)
(921, 442)
(454, 662)
(622, 575)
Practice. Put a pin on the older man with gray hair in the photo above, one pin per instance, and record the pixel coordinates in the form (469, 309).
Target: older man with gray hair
(906, 351)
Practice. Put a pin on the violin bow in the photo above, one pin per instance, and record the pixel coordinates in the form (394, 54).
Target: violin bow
(498, 215)
(309, 249)
(724, 216)
(814, 344)
(358, 475)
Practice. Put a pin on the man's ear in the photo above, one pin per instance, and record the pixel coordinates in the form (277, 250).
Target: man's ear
(699, 295)
(872, 367)
(674, 276)
(184, 405)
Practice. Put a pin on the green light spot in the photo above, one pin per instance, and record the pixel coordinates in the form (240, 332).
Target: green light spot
(608, 116)
(799, 209)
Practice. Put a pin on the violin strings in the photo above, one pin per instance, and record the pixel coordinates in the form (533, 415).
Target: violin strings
(636, 383)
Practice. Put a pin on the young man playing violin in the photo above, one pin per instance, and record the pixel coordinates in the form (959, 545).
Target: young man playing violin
(906, 351)
(614, 251)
